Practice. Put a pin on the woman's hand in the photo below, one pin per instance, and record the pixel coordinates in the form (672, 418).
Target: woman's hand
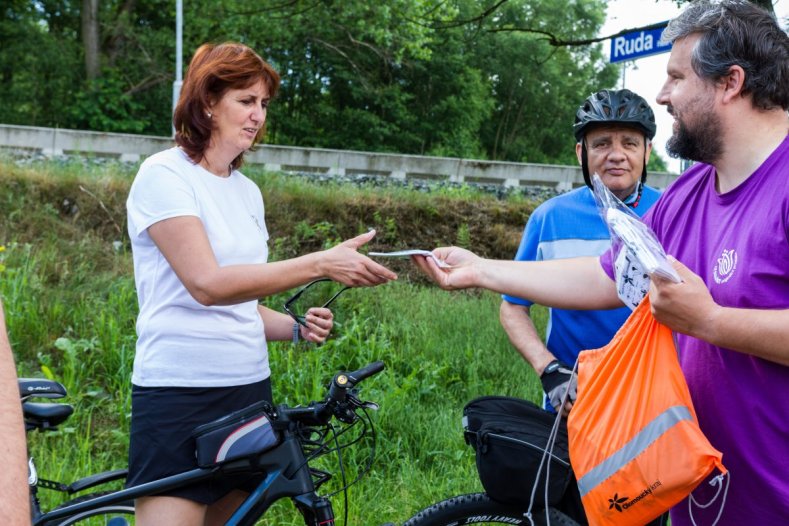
(460, 272)
(344, 264)
(319, 324)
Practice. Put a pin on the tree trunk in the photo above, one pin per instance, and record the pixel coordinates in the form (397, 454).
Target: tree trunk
(118, 32)
(90, 37)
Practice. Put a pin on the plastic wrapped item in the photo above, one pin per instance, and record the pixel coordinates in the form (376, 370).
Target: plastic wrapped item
(638, 255)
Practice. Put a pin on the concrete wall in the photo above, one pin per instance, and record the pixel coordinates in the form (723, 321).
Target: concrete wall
(128, 147)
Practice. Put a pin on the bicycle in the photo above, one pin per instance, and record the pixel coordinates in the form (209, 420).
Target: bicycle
(305, 433)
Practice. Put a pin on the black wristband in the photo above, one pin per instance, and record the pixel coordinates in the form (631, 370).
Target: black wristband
(551, 367)
(555, 374)
(296, 332)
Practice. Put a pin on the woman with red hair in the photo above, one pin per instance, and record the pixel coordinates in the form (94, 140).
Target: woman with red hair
(199, 242)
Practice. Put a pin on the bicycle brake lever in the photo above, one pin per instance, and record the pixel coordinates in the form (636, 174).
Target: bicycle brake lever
(359, 403)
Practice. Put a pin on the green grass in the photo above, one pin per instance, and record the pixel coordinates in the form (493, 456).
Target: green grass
(71, 308)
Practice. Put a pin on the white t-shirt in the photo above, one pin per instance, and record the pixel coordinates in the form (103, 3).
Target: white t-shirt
(179, 341)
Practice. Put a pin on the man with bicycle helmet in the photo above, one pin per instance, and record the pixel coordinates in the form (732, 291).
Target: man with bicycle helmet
(613, 130)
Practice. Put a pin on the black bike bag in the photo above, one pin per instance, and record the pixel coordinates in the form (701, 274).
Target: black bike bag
(240, 434)
(509, 436)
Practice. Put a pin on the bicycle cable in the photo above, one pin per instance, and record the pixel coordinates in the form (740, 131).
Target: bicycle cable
(342, 476)
(367, 421)
(547, 453)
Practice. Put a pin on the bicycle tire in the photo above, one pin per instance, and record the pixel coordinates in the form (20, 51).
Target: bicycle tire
(98, 517)
(478, 508)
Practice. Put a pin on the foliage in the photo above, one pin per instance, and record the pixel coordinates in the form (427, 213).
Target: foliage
(103, 105)
(656, 163)
(408, 76)
(537, 88)
(39, 67)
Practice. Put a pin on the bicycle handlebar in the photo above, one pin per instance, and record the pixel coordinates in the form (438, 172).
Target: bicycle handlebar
(336, 402)
(343, 382)
(366, 372)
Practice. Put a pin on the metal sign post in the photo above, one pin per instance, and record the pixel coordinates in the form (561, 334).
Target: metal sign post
(179, 22)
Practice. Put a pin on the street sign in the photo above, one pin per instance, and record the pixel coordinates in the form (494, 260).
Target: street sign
(638, 44)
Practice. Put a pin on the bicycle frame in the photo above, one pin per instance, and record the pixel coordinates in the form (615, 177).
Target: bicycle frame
(285, 467)
(287, 475)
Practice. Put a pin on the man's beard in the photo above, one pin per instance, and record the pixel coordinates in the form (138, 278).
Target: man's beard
(702, 143)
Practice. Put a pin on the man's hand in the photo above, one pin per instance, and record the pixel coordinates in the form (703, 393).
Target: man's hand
(686, 307)
(459, 272)
(557, 378)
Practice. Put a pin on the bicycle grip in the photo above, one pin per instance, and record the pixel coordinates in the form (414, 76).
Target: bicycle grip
(366, 372)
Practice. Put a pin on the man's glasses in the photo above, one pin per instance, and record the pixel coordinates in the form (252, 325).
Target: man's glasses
(319, 293)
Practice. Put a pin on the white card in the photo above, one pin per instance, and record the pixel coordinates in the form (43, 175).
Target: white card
(632, 280)
(406, 253)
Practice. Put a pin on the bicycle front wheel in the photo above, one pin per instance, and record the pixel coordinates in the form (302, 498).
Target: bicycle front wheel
(121, 514)
(478, 508)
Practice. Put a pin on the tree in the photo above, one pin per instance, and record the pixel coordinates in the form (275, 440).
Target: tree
(413, 76)
(430, 77)
(559, 41)
(61, 64)
(39, 61)
(537, 86)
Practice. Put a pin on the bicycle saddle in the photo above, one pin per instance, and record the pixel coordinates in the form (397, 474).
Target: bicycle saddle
(40, 388)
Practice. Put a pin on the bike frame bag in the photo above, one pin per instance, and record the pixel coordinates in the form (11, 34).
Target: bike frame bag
(240, 434)
(509, 436)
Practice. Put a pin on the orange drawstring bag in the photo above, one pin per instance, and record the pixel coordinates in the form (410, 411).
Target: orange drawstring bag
(635, 444)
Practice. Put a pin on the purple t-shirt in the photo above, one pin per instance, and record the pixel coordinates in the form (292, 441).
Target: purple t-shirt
(738, 242)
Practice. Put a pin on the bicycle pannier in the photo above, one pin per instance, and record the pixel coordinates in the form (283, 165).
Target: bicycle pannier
(240, 434)
(509, 436)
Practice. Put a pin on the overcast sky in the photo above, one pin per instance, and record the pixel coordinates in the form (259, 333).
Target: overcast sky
(645, 76)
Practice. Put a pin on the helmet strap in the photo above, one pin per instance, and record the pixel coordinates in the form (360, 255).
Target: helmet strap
(644, 170)
(585, 164)
(643, 180)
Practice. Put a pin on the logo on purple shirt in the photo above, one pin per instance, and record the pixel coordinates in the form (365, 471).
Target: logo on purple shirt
(725, 266)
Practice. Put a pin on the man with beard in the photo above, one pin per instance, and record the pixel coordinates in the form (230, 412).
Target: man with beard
(726, 220)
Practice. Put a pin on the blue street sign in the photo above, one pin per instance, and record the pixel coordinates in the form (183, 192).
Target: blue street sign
(638, 44)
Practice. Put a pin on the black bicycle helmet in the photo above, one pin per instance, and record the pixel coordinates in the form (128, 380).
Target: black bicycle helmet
(613, 107)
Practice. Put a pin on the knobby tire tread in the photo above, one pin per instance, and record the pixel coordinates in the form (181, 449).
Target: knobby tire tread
(473, 507)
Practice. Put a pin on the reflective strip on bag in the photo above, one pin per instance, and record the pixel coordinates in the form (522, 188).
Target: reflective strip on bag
(233, 438)
(536, 447)
(634, 447)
